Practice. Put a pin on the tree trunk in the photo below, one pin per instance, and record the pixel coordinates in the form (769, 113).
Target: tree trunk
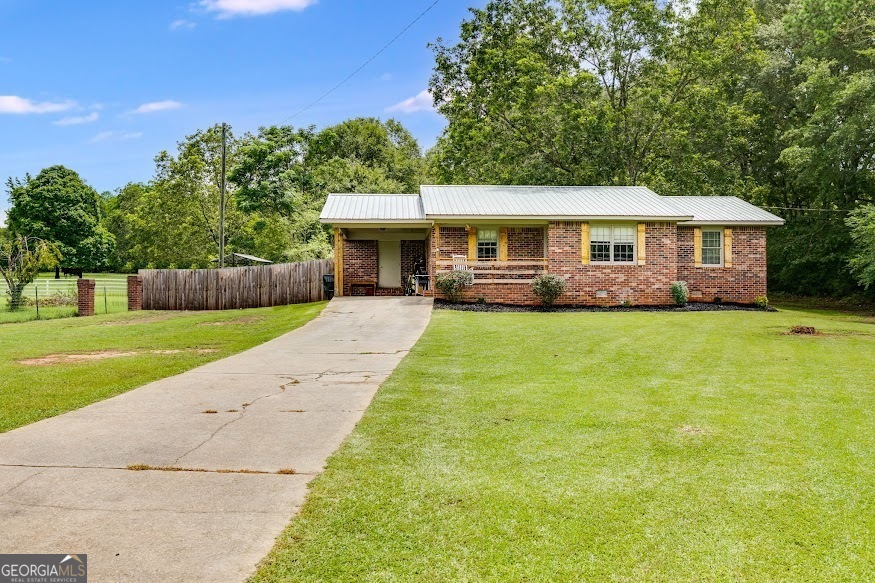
(57, 272)
(15, 293)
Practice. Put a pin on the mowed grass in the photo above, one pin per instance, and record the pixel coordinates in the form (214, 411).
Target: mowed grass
(30, 392)
(605, 447)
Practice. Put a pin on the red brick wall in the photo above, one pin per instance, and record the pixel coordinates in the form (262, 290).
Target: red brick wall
(454, 241)
(410, 252)
(359, 263)
(525, 243)
(648, 284)
(640, 284)
(742, 283)
(669, 258)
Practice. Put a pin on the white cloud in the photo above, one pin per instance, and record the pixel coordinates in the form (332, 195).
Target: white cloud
(77, 119)
(19, 105)
(2, 218)
(182, 24)
(114, 137)
(154, 106)
(231, 8)
(422, 101)
(387, 77)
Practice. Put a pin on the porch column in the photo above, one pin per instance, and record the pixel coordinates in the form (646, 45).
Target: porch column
(338, 263)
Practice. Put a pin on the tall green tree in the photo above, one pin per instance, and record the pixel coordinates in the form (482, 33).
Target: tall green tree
(862, 225)
(57, 206)
(285, 173)
(812, 146)
(596, 92)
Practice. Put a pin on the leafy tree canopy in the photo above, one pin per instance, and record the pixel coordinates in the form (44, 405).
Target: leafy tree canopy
(57, 206)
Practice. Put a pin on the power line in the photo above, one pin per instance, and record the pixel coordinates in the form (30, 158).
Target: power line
(365, 64)
(790, 208)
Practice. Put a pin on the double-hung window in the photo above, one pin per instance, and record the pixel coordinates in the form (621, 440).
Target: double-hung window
(712, 247)
(487, 244)
(612, 244)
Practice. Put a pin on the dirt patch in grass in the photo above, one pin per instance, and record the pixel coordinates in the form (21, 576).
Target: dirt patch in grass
(73, 358)
(244, 320)
(811, 331)
(693, 430)
(134, 321)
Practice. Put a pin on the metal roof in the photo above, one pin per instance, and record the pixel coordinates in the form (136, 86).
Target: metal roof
(542, 202)
(372, 207)
(548, 202)
(722, 210)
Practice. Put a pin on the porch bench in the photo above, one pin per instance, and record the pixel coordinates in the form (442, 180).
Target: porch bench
(368, 285)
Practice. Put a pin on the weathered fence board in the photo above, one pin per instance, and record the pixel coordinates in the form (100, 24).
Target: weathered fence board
(234, 287)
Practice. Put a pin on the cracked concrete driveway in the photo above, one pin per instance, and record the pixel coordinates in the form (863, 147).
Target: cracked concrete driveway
(65, 485)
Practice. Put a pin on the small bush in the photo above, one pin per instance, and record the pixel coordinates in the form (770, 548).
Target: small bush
(55, 300)
(480, 300)
(451, 284)
(680, 292)
(547, 288)
(761, 302)
(718, 300)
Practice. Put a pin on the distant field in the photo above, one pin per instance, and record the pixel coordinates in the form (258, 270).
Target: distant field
(110, 296)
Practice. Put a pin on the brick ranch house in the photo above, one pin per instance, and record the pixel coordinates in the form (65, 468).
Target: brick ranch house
(610, 244)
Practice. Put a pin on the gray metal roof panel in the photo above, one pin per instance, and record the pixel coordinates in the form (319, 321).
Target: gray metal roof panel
(372, 207)
(546, 201)
(722, 210)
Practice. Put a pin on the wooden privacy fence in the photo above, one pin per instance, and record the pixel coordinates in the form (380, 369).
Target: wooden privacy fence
(231, 288)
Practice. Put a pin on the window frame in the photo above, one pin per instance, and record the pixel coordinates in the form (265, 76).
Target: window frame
(491, 242)
(720, 235)
(613, 241)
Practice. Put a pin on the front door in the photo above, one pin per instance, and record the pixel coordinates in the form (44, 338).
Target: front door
(389, 263)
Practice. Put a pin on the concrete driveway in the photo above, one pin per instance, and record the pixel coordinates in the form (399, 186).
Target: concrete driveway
(66, 486)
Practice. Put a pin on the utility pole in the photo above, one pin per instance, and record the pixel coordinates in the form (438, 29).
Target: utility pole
(222, 205)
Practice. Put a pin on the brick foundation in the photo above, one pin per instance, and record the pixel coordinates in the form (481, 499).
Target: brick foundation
(85, 293)
(135, 293)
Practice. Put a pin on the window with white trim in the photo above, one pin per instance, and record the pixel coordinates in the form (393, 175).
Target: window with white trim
(612, 244)
(712, 247)
(487, 244)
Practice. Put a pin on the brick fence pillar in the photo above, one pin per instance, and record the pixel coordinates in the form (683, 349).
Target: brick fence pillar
(135, 293)
(85, 288)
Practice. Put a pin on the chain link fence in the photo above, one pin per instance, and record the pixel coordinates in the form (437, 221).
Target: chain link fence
(48, 298)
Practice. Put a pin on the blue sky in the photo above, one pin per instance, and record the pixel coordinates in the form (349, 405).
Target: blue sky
(102, 86)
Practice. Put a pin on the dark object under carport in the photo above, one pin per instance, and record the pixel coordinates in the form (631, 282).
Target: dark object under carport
(327, 286)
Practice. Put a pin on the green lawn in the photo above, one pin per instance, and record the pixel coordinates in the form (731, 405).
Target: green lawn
(29, 393)
(605, 447)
